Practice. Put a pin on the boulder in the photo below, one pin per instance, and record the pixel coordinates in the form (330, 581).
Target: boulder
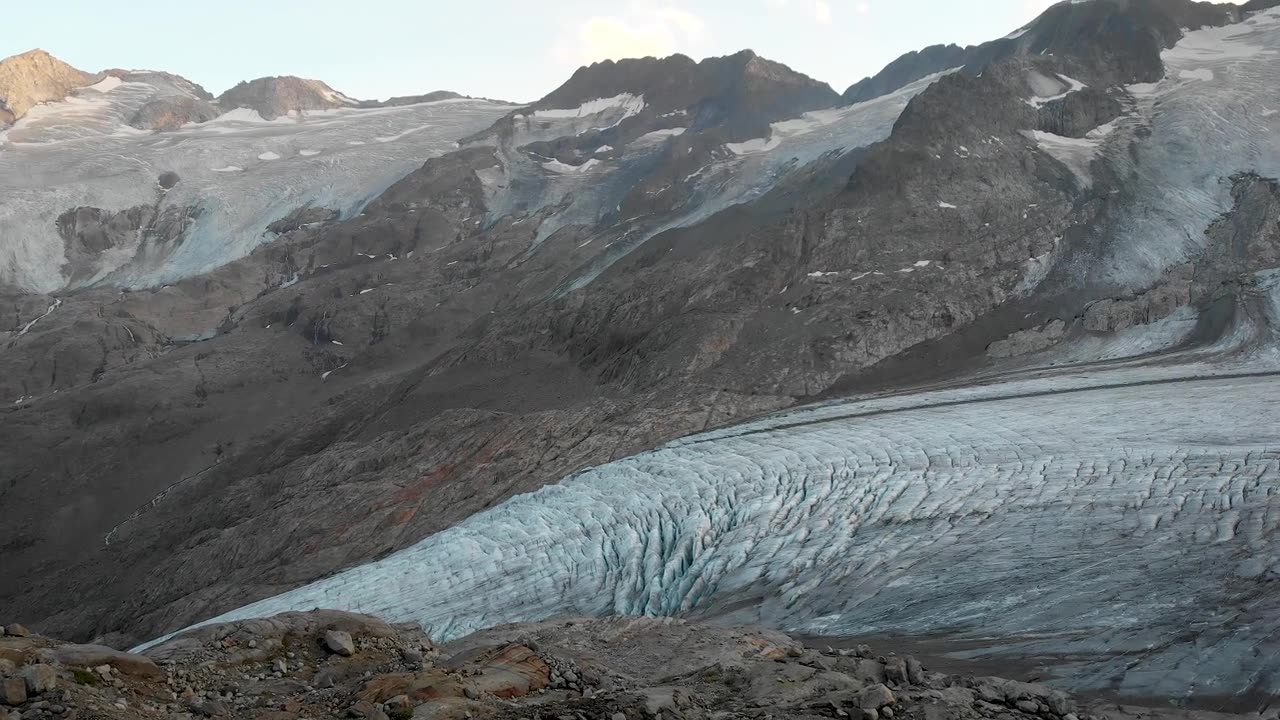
(399, 703)
(515, 671)
(40, 678)
(876, 697)
(1060, 703)
(17, 630)
(915, 671)
(96, 656)
(13, 691)
(895, 670)
(339, 642)
(866, 670)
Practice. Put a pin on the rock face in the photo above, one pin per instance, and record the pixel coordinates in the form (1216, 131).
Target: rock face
(273, 97)
(1118, 38)
(32, 78)
(435, 96)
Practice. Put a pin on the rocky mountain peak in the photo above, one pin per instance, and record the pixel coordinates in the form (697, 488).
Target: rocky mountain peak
(740, 93)
(34, 77)
(273, 97)
(1108, 42)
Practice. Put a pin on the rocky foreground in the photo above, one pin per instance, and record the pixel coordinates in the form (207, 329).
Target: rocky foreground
(329, 664)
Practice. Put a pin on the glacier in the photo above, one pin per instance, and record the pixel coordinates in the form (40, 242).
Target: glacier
(1207, 120)
(1075, 514)
(242, 171)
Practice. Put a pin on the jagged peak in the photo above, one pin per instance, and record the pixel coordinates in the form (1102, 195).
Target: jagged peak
(35, 77)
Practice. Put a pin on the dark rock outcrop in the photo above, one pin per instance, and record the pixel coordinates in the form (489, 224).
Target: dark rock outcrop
(1111, 42)
(273, 97)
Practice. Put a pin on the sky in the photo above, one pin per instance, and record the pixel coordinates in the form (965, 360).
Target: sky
(515, 50)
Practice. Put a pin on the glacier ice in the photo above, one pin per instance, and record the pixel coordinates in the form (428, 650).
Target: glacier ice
(1190, 136)
(1061, 514)
(245, 172)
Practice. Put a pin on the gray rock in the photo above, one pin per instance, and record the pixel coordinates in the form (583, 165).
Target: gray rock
(325, 679)
(339, 642)
(13, 691)
(280, 665)
(895, 670)
(876, 697)
(40, 678)
(1060, 704)
(412, 656)
(868, 671)
(212, 708)
(915, 671)
(17, 630)
(1030, 707)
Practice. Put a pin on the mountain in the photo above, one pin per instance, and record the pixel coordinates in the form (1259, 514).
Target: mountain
(1120, 37)
(273, 97)
(984, 358)
(34, 77)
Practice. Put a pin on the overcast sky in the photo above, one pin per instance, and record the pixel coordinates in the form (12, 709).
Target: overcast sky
(509, 49)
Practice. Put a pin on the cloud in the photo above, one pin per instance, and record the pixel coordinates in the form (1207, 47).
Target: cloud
(862, 8)
(822, 12)
(642, 31)
(688, 23)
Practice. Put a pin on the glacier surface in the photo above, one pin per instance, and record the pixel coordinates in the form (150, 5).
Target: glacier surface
(243, 171)
(1207, 120)
(1070, 515)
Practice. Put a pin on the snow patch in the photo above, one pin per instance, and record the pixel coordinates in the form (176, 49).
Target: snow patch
(1076, 153)
(107, 84)
(228, 169)
(560, 168)
(1042, 85)
(1204, 74)
(268, 156)
(308, 153)
(660, 134)
(946, 205)
(626, 103)
(757, 145)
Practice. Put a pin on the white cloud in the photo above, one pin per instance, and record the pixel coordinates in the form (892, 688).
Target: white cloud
(822, 12)
(688, 23)
(862, 8)
(642, 31)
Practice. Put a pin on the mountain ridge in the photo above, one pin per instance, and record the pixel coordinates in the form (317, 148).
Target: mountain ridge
(36, 76)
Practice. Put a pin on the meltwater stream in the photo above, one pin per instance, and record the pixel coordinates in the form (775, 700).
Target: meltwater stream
(1133, 525)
